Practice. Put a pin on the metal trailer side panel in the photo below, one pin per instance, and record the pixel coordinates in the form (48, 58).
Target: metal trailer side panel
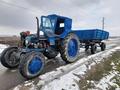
(91, 34)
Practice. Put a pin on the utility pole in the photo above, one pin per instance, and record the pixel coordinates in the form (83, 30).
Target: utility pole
(103, 23)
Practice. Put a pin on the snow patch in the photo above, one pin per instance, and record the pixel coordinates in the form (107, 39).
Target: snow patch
(73, 71)
(2, 47)
(106, 81)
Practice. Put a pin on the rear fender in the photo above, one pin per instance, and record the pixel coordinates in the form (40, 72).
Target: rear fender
(65, 34)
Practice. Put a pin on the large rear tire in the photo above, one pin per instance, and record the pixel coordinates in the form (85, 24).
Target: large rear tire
(31, 65)
(70, 48)
(8, 58)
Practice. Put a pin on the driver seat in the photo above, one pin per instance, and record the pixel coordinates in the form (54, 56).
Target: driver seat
(59, 31)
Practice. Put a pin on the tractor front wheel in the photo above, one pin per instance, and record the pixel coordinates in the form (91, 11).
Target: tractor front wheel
(70, 48)
(8, 58)
(31, 65)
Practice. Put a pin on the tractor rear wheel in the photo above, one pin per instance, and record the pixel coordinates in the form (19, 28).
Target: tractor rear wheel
(103, 46)
(31, 65)
(70, 48)
(9, 59)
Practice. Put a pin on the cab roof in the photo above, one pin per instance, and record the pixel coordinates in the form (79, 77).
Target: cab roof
(58, 16)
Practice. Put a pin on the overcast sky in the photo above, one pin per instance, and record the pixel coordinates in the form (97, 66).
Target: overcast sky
(19, 15)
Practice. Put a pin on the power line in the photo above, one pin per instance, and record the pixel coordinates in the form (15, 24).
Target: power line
(18, 6)
(35, 11)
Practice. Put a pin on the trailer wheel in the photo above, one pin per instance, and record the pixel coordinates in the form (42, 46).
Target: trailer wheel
(93, 49)
(31, 65)
(86, 47)
(103, 46)
(50, 53)
(70, 48)
(8, 58)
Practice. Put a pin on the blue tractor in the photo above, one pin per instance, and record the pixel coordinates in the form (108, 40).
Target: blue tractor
(57, 38)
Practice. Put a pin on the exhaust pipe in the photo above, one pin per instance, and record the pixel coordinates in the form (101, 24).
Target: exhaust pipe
(38, 29)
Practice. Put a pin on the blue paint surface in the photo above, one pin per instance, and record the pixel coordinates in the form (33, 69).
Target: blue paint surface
(35, 65)
(72, 48)
(92, 34)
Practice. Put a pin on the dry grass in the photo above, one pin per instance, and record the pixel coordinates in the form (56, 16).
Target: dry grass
(100, 70)
(12, 41)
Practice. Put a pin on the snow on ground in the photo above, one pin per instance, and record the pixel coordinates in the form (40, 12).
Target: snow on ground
(105, 82)
(2, 47)
(67, 77)
(70, 80)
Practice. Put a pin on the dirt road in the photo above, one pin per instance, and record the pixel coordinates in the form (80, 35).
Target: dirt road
(9, 79)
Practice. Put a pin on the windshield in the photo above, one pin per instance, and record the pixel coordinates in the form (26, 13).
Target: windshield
(48, 25)
(46, 22)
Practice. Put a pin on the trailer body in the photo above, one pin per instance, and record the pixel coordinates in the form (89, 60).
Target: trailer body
(91, 35)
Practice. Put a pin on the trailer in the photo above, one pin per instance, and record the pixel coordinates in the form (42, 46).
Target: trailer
(92, 37)
(57, 38)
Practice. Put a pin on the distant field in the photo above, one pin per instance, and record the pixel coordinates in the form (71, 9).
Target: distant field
(10, 40)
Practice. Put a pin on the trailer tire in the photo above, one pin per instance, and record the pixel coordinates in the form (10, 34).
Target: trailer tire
(93, 49)
(103, 46)
(8, 59)
(69, 49)
(86, 47)
(31, 64)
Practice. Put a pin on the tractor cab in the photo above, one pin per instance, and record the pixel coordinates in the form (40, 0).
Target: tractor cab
(54, 25)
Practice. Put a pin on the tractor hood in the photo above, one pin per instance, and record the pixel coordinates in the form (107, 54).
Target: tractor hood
(31, 39)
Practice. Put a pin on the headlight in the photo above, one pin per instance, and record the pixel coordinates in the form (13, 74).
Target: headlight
(26, 42)
(41, 33)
